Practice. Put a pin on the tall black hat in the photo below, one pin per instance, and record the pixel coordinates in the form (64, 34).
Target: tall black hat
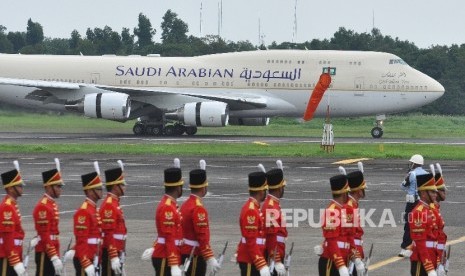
(92, 180)
(339, 184)
(13, 177)
(115, 176)
(198, 177)
(173, 176)
(257, 180)
(426, 182)
(53, 176)
(275, 177)
(356, 179)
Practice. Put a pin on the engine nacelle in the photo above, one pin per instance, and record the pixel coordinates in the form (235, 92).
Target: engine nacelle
(259, 121)
(207, 114)
(111, 106)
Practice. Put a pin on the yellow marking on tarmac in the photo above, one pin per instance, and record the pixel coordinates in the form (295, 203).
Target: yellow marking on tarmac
(261, 143)
(350, 161)
(395, 258)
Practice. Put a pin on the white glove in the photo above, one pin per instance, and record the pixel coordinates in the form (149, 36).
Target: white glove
(34, 241)
(265, 271)
(69, 255)
(360, 267)
(318, 249)
(410, 198)
(280, 269)
(147, 255)
(57, 264)
(116, 265)
(212, 266)
(20, 269)
(432, 273)
(176, 270)
(90, 270)
(446, 266)
(440, 270)
(343, 271)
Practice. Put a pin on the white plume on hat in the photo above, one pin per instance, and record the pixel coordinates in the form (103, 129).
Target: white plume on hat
(431, 167)
(57, 164)
(97, 168)
(342, 170)
(360, 166)
(121, 164)
(279, 163)
(16, 164)
(177, 163)
(261, 167)
(203, 164)
(438, 166)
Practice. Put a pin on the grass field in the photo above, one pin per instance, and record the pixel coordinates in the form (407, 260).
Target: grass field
(400, 127)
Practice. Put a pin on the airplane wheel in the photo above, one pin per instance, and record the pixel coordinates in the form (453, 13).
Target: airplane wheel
(148, 130)
(179, 129)
(157, 130)
(377, 132)
(138, 129)
(169, 130)
(191, 130)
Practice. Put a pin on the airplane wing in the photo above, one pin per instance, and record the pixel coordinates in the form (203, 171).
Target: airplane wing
(40, 84)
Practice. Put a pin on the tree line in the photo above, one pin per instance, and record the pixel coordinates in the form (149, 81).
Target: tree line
(446, 64)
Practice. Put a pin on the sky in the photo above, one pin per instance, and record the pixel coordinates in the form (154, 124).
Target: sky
(423, 22)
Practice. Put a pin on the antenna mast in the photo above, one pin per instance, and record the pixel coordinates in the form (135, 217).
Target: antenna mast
(201, 18)
(294, 31)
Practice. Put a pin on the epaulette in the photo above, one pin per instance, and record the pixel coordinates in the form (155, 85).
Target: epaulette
(84, 205)
(271, 202)
(332, 206)
(420, 207)
(44, 200)
(109, 199)
(251, 206)
(432, 206)
(168, 202)
(350, 203)
(198, 202)
(8, 201)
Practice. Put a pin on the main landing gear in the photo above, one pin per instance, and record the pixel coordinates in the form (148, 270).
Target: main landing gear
(377, 131)
(154, 129)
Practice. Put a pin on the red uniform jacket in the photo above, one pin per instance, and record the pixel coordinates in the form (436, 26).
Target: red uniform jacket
(275, 228)
(441, 235)
(113, 225)
(87, 229)
(251, 248)
(357, 230)
(168, 223)
(423, 231)
(11, 231)
(195, 228)
(338, 239)
(46, 220)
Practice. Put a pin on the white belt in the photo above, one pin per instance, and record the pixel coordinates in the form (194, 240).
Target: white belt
(281, 239)
(431, 244)
(258, 241)
(121, 237)
(358, 242)
(441, 246)
(342, 245)
(191, 242)
(16, 241)
(52, 237)
(162, 241)
(93, 241)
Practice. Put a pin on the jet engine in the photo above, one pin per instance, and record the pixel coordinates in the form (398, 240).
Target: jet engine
(259, 121)
(206, 114)
(111, 106)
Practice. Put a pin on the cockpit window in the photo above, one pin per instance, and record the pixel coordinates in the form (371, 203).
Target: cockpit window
(397, 61)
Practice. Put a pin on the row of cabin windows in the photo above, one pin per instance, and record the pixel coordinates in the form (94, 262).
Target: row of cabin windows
(65, 80)
(400, 87)
(281, 61)
(355, 63)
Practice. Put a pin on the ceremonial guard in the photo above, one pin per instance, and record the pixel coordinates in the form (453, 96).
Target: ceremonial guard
(46, 220)
(251, 249)
(357, 187)
(87, 226)
(337, 243)
(196, 227)
(113, 224)
(11, 231)
(442, 261)
(166, 254)
(423, 228)
(275, 226)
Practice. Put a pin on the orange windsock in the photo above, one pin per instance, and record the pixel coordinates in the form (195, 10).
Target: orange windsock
(317, 95)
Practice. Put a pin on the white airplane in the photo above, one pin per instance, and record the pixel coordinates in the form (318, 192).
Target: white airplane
(175, 95)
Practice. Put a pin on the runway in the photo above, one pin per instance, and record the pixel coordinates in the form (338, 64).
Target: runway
(307, 192)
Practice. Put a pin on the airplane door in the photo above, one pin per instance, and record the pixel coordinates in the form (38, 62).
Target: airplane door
(358, 86)
(95, 78)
